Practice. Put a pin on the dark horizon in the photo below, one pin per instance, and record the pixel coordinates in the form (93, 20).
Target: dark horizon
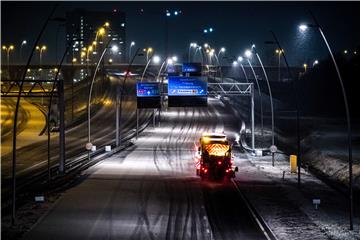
(236, 26)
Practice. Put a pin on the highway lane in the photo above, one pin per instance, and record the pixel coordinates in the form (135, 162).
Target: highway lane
(150, 191)
(34, 155)
(30, 123)
(29, 155)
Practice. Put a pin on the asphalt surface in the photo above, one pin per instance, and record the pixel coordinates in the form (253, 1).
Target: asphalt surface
(30, 122)
(151, 191)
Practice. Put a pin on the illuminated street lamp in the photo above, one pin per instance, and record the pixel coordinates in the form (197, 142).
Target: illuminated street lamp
(8, 50)
(248, 55)
(222, 50)
(24, 42)
(114, 49)
(131, 45)
(303, 28)
(211, 52)
(100, 32)
(192, 45)
(279, 52)
(208, 30)
(89, 49)
(316, 62)
(148, 51)
(89, 144)
(168, 61)
(305, 67)
(155, 59)
(240, 60)
(271, 103)
(41, 49)
(175, 13)
(168, 15)
(82, 54)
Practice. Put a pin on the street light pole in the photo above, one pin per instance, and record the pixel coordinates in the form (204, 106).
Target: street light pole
(131, 45)
(189, 58)
(61, 109)
(348, 119)
(146, 66)
(271, 103)
(243, 69)
(162, 65)
(24, 42)
(13, 217)
(122, 94)
(201, 54)
(279, 52)
(7, 50)
(90, 92)
(260, 95)
(40, 49)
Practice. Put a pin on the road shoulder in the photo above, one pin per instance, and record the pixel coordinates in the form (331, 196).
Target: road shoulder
(288, 210)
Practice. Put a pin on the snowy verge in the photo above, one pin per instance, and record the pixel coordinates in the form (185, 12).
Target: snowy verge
(289, 210)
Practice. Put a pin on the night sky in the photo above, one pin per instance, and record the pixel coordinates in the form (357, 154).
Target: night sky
(236, 25)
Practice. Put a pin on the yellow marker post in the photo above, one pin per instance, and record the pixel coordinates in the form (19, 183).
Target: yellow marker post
(293, 163)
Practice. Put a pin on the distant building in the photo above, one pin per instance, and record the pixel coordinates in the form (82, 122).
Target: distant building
(81, 31)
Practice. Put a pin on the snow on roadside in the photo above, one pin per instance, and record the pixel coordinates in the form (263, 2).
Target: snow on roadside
(289, 210)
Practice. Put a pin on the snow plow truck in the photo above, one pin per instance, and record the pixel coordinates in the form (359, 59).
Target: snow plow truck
(214, 158)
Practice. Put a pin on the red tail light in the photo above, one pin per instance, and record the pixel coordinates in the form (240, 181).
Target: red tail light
(219, 162)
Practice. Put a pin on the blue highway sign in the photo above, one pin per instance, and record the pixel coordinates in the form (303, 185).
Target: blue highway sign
(187, 86)
(147, 89)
